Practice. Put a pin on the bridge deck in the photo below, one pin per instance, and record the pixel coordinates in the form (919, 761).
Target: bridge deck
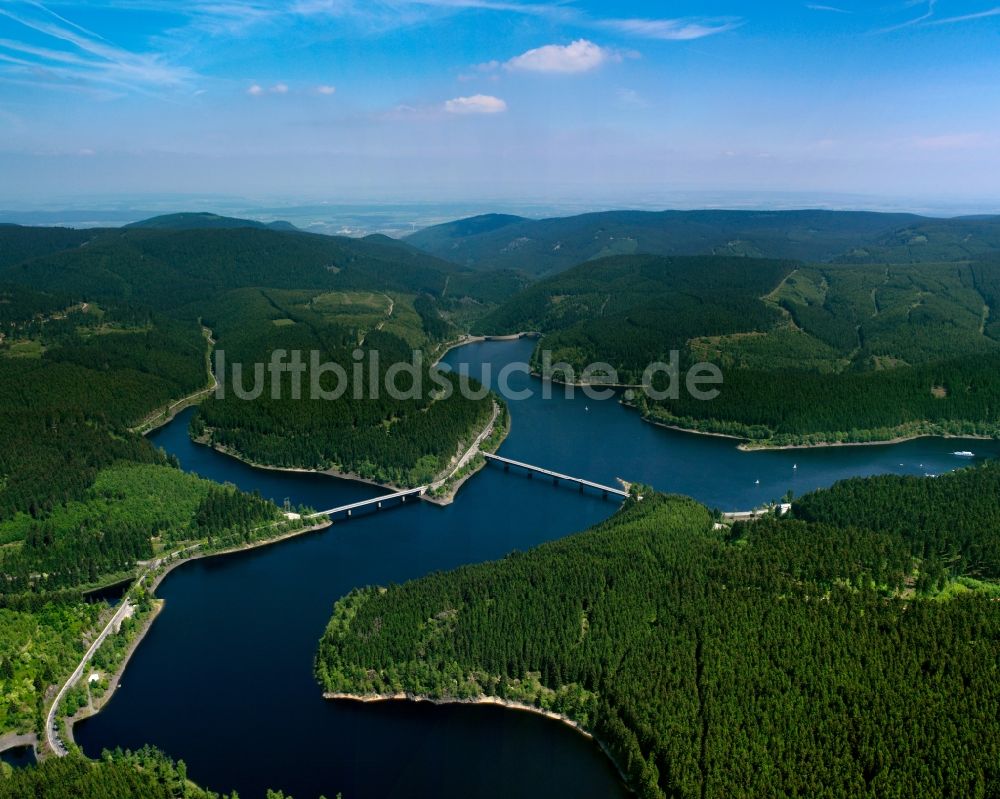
(556, 475)
(366, 502)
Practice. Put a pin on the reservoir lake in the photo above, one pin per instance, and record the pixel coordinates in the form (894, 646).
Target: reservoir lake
(224, 681)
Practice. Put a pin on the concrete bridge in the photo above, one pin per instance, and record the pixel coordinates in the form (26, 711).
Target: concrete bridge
(366, 503)
(557, 477)
(402, 496)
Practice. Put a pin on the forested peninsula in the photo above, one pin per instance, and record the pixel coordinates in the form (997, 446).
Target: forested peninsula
(849, 649)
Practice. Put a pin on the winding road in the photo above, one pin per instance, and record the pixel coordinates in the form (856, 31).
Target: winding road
(51, 736)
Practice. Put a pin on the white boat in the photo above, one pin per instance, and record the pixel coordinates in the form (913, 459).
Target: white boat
(964, 454)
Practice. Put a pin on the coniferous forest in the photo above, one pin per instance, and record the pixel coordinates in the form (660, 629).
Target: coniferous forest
(101, 331)
(808, 353)
(851, 649)
(348, 351)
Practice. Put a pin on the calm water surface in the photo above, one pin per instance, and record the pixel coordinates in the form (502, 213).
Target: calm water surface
(224, 678)
(19, 756)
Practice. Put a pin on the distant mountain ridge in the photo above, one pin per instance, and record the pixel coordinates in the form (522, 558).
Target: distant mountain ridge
(547, 246)
(205, 221)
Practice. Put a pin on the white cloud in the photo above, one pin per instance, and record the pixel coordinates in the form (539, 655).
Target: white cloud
(579, 56)
(992, 12)
(476, 104)
(327, 90)
(674, 30)
(73, 55)
(833, 9)
(931, 4)
(928, 17)
(256, 90)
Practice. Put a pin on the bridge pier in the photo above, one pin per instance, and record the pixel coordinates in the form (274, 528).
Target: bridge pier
(506, 467)
(379, 506)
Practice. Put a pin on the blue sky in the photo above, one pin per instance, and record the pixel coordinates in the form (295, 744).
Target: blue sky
(434, 99)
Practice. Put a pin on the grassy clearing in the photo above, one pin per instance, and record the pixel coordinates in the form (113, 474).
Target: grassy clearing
(28, 348)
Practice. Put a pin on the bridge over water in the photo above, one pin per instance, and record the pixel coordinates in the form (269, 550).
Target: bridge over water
(557, 477)
(367, 503)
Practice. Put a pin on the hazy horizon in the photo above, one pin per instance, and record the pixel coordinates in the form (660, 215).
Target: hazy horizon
(514, 102)
(400, 217)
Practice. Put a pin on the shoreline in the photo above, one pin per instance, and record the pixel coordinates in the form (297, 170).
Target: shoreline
(484, 700)
(882, 443)
(336, 474)
(14, 740)
(162, 571)
(114, 680)
(155, 422)
(450, 483)
(331, 472)
(746, 444)
(199, 555)
(750, 445)
(479, 339)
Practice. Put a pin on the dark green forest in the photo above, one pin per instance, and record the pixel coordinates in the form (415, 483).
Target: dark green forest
(406, 441)
(808, 354)
(168, 269)
(72, 381)
(850, 649)
(132, 513)
(548, 246)
(633, 310)
(100, 331)
(259, 290)
(144, 774)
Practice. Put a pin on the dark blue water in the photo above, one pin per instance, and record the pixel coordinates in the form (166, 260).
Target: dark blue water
(19, 756)
(224, 678)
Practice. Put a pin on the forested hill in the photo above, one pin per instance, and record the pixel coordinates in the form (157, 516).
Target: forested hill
(167, 269)
(201, 221)
(632, 310)
(545, 246)
(843, 655)
(19, 243)
(809, 353)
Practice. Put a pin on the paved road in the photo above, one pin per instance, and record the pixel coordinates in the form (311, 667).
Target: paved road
(50, 721)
